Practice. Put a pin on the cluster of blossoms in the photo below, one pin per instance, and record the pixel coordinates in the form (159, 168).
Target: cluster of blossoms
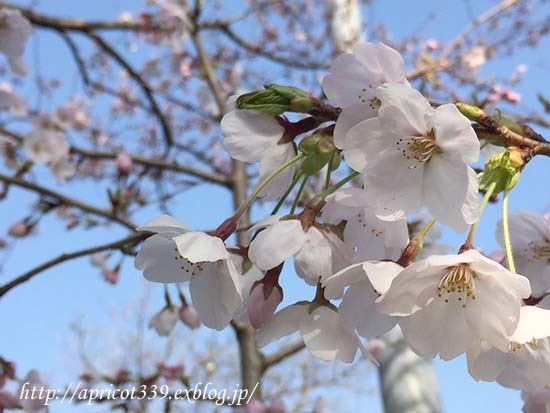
(21, 399)
(46, 143)
(352, 242)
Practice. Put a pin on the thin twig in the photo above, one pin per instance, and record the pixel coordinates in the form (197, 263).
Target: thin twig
(147, 90)
(132, 239)
(283, 354)
(77, 24)
(65, 200)
(142, 160)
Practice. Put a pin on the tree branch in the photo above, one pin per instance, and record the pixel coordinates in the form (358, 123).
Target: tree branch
(157, 163)
(146, 88)
(131, 240)
(142, 160)
(442, 63)
(260, 50)
(76, 24)
(63, 199)
(283, 354)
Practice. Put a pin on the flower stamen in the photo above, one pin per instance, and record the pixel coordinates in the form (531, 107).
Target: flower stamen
(458, 279)
(417, 148)
(538, 251)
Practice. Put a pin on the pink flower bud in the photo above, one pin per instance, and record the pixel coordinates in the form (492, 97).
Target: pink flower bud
(98, 260)
(498, 256)
(124, 163)
(8, 400)
(261, 308)
(171, 372)
(185, 70)
(111, 276)
(188, 315)
(20, 230)
(375, 349)
(432, 44)
(511, 96)
(164, 321)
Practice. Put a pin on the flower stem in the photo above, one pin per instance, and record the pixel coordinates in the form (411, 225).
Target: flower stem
(317, 202)
(287, 193)
(415, 245)
(299, 194)
(422, 234)
(246, 204)
(506, 231)
(329, 172)
(337, 186)
(470, 240)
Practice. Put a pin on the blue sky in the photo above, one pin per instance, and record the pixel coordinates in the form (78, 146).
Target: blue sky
(35, 317)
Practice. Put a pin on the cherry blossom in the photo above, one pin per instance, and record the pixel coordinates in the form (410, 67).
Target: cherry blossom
(189, 316)
(367, 281)
(10, 101)
(351, 85)
(254, 137)
(452, 302)
(165, 320)
(173, 15)
(177, 254)
(474, 58)
(530, 237)
(124, 163)
(63, 170)
(525, 366)
(414, 156)
(366, 237)
(30, 382)
(250, 276)
(73, 115)
(45, 144)
(14, 32)
(262, 303)
(20, 230)
(283, 238)
(321, 329)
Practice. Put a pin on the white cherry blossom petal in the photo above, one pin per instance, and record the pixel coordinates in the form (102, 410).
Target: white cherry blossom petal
(440, 328)
(381, 274)
(393, 198)
(534, 324)
(325, 336)
(216, 294)
(485, 362)
(283, 323)
(14, 33)
(166, 225)
(314, 260)
(160, 261)
(276, 243)
(249, 134)
(351, 116)
(335, 284)
(448, 183)
(201, 247)
(454, 133)
(358, 311)
(404, 110)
